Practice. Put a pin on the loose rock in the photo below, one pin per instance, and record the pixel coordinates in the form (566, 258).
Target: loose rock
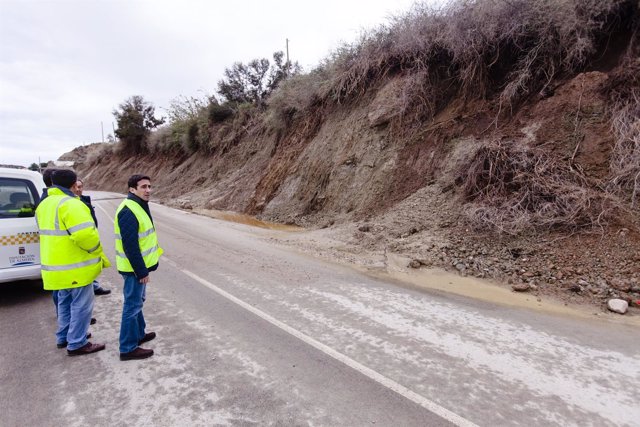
(414, 263)
(618, 305)
(621, 285)
(575, 288)
(521, 287)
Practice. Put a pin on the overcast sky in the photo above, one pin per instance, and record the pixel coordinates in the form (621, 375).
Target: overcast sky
(65, 65)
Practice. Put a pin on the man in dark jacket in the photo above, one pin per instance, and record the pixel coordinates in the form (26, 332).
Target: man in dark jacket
(137, 254)
(47, 175)
(97, 289)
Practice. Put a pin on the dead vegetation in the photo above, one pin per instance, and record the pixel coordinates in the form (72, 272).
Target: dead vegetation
(481, 48)
(624, 94)
(516, 188)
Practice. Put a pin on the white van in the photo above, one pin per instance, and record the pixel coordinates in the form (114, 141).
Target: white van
(20, 191)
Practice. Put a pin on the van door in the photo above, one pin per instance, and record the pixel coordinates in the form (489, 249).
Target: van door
(19, 238)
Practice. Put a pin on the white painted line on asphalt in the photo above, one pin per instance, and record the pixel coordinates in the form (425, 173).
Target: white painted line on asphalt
(370, 373)
(105, 212)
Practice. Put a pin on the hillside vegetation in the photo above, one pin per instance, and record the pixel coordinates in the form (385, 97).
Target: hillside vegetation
(471, 137)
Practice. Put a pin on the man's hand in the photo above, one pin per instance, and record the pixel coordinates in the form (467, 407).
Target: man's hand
(105, 261)
(145, 280)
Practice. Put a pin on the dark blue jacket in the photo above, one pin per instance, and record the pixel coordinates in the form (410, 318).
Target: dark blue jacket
(128, 224)
(45, 193)
(87, 201)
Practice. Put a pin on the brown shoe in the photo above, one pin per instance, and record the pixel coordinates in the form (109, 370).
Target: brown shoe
(138, 353)
(147, 337)
(88, 348)
(64, 343)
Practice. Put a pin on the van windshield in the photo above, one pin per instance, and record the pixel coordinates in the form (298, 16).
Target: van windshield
(17, 199)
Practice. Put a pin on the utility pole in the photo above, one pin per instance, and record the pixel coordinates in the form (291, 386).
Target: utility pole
(114, 132)
(287, 51)
(102, 129)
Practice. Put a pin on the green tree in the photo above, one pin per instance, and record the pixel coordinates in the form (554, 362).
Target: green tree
(281, 70)
(254, 82)
(34, 167)
(136, 119)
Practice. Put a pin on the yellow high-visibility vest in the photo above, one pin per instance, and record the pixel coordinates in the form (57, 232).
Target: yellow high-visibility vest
(70, 252)
(147, 238)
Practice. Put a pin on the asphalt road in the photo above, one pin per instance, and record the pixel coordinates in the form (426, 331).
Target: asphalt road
(252, 334)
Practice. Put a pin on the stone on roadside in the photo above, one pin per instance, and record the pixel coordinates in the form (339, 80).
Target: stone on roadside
(575, 288)
(621, 285)
(521, 287)
(184, 204)
(364, 228)
(414, 263)
(617, 305)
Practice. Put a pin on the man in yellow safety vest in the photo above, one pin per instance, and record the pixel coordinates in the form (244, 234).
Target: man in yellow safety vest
(137, 254)
(71, 258)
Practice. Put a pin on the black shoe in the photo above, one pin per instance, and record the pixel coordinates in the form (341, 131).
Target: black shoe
(64, 344)
(88, 348)
(147, 337)
(138, 353)
(93, 321)
(101, 291)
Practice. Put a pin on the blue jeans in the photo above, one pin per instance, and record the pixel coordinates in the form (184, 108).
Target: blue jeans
(74, 314)
(95, 284)
(132, 326)
(54, 294)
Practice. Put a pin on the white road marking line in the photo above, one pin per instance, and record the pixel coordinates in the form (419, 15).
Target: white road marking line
(368, 372)
(105, 212)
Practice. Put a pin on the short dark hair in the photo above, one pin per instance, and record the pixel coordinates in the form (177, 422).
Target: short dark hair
(64, 178)
(135, 179)
(46, 176)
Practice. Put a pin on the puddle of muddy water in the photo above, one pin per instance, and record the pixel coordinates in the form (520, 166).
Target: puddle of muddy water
(484, 290)
(246, 219)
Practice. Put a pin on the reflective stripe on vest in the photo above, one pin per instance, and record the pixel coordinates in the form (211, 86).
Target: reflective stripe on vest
(140, 235)
(71, 266)
(147, 238)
